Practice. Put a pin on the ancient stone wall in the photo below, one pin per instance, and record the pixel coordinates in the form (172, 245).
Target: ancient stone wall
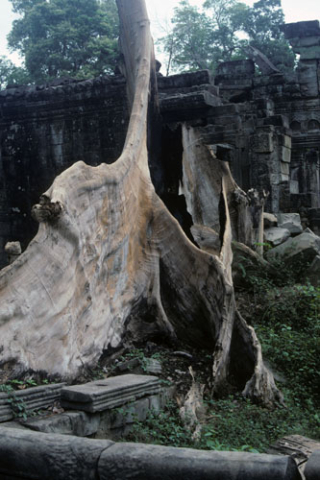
(267, 126)
(281, 116)
(44, 130)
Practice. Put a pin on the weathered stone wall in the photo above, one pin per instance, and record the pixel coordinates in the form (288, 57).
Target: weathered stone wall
(266, 126)
(44, 130)
(281, 117)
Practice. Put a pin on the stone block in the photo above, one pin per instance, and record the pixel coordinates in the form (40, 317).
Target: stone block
(126, 415)
(301, 29)
(52, 424)
(184, 80)
(152, 462)
(305, 42)
(153, 366)
(276, 235)
(312, 470)
(133, 365)
(309, 53)
(224, 110)
(138, 411)
(106, 394)
(194, 100)
(270, 220)
(294, 187)
(298, 447)
(275, 179)
(35, 455)
(155, 403)
(13, 250)
(277, 121)
(236, 67)
(283, 178)
(285, 154)
(307, 77)
(285, 141)
(79, 424)
(304, 247)
(34, 398)
(284, 168)
(290, 221)
(262, 143)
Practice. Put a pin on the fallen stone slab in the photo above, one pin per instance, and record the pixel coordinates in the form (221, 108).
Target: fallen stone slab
(247, 264)
(304, 247)
(312, 470)
(113, 423)
(270, 220)
(276, 235)
(80, 424)
(106, 394)
(124, 461)
(298, 447)
(32, 455)
(31, 399)
(41, 456)
(290, 221)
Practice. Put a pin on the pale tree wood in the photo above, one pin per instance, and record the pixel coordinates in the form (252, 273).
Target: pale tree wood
(110, 265)
(192, 410)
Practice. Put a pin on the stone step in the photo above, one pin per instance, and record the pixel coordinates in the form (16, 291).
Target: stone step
(32, 399)
(109, 393)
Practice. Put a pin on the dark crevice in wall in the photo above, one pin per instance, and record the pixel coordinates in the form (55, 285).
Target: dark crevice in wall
(166, 174)
(222, 216)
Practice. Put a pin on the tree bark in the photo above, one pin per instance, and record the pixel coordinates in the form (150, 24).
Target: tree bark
(110, 265)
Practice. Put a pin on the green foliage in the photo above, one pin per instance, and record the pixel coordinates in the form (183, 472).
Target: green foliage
(10, 74)
(232, 424)
(18, 406)
(238, 424)
(220, 31)
(190, 41)
(289, 331)
(77, 38)
(287, 321)
(286, 318)
(261, 24)
(162, 428)
(276, 273)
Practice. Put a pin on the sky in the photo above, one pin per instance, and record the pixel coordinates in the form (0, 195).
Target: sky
(160, 12)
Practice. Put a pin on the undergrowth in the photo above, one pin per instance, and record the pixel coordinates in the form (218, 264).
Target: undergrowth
(286, 317)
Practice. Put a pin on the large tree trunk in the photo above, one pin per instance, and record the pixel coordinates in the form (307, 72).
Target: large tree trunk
(110, 265)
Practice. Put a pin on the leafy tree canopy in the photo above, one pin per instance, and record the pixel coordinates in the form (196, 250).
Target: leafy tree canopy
(220, 31)
(76, 38)
(10, 74)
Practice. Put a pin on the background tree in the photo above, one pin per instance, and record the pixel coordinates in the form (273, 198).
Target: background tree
(65, 37)
(261, 24)
(221, 30)
(190, 41)
(10, 74)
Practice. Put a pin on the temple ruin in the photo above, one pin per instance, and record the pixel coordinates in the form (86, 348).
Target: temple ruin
(265, 123)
